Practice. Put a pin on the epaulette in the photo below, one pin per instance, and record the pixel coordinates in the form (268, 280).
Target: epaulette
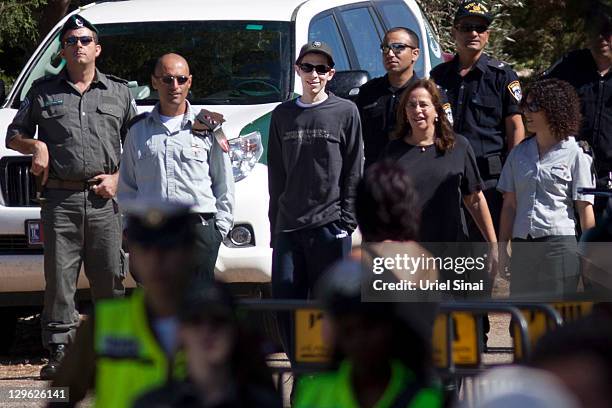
(137, 118)
(43, 79)
(585, 146)
(493, 63)
(117, 79)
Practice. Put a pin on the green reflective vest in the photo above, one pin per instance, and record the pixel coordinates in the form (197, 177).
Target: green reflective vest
(334, 390)
(129, 360)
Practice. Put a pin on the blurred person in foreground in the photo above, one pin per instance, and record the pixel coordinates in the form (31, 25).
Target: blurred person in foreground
(128, 346)
(580, 355)
(540, 183)
(381, 350)
(225, 365)
(444, 171)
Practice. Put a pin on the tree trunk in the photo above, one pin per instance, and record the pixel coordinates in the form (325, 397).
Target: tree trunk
(51, 14)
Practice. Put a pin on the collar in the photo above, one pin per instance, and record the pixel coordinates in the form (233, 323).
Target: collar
(390, 87)
(188, 118)
(481, 63)
(99, 78)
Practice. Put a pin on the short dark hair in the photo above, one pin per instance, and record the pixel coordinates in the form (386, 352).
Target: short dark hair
(444, 134)
(561, 105)
(413, 36)
(386, 204)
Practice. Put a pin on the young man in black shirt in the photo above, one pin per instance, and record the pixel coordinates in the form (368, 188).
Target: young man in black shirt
(315, 157)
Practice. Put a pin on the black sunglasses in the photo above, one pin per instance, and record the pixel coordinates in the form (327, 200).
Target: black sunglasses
(73, 40)
(397, 48)
(169, 79)
(530, 106)
(468, 28)
(321, 69)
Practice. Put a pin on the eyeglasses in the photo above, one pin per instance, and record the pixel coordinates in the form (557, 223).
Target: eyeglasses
(321, 69)
(397, 48)
(530, 106)
(73, 40)
(169, 79)
(468, 28)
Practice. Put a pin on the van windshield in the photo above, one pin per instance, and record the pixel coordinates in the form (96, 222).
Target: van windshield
(232, 62)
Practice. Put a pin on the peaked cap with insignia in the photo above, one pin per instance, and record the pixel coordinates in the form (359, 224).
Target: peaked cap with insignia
(75, 22)
(474, 9)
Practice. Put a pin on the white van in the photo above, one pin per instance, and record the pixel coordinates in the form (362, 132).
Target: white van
(241, 56)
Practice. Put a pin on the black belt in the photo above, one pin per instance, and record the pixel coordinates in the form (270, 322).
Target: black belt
(56, 184)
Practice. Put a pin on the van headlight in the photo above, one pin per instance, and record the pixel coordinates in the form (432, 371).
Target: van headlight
(245, 151)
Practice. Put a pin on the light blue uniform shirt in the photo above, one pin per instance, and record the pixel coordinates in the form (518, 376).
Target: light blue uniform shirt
(546, 187)
(179, 167)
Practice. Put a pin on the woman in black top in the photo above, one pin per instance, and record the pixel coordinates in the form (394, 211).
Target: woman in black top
(443, 169)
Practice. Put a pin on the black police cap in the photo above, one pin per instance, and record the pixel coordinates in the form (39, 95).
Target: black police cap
(317, 47)
(160, 224)
(75, 22)
(474, 9)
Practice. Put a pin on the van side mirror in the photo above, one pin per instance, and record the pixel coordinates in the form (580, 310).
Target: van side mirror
(345, 84)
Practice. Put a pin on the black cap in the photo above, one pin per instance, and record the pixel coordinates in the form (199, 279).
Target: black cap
(474, 9)
(75, 22)
(318, 47)
(207, 299)
(160, 224)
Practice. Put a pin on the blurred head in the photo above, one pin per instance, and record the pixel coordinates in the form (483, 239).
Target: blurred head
(172, 80)
(421, 109)
(208, 326)
(160, 239)
(400, 50)
(580, 355)
(599, 31)
(552, 105)
(386, 204)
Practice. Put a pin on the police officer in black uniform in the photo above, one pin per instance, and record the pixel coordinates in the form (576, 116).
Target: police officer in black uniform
(378, 98)
(589, 70)
(484, 94)
(81, 117)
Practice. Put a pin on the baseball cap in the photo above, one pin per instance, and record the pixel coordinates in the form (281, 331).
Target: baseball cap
(204, 299)
(74, 22)
(318, 47)
(473, 9)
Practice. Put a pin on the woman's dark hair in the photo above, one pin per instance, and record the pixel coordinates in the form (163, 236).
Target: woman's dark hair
(386, 204)
(560, 104)
(444, 134)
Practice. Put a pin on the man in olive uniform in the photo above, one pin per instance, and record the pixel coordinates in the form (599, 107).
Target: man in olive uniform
(81, 115)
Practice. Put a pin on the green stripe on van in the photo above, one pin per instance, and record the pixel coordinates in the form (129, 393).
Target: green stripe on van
(261, 125)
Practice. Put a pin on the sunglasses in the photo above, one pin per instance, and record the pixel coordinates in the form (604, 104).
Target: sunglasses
(169, 79)
(468, 28)
(530, 106)
(321, 69)
(397, 48)
(73, 40)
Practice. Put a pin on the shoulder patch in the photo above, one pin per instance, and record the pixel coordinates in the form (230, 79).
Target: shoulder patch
(43, 79)
(137, 119)
(117, 79)
(515, 90)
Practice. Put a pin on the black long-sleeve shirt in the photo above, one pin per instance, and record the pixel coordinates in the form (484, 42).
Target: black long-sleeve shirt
(315, 160)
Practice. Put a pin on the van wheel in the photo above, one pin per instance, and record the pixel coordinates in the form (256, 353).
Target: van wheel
(8, 322)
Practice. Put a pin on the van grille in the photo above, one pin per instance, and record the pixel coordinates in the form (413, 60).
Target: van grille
(17, 183)
(12, 243)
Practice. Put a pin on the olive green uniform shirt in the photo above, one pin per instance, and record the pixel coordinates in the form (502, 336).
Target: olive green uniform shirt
(83, 132)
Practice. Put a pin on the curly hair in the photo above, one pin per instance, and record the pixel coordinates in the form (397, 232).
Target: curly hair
(444, 134)
(560, 104)
(386, 204)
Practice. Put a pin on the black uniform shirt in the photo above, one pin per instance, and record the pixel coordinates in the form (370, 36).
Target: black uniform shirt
(481, 101)
(377, 102)
(83, 132)
(595, 91)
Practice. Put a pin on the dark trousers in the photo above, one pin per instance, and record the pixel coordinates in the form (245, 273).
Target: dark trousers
(544, 268)
(207, 243)
(79, 227)
(299, 259)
